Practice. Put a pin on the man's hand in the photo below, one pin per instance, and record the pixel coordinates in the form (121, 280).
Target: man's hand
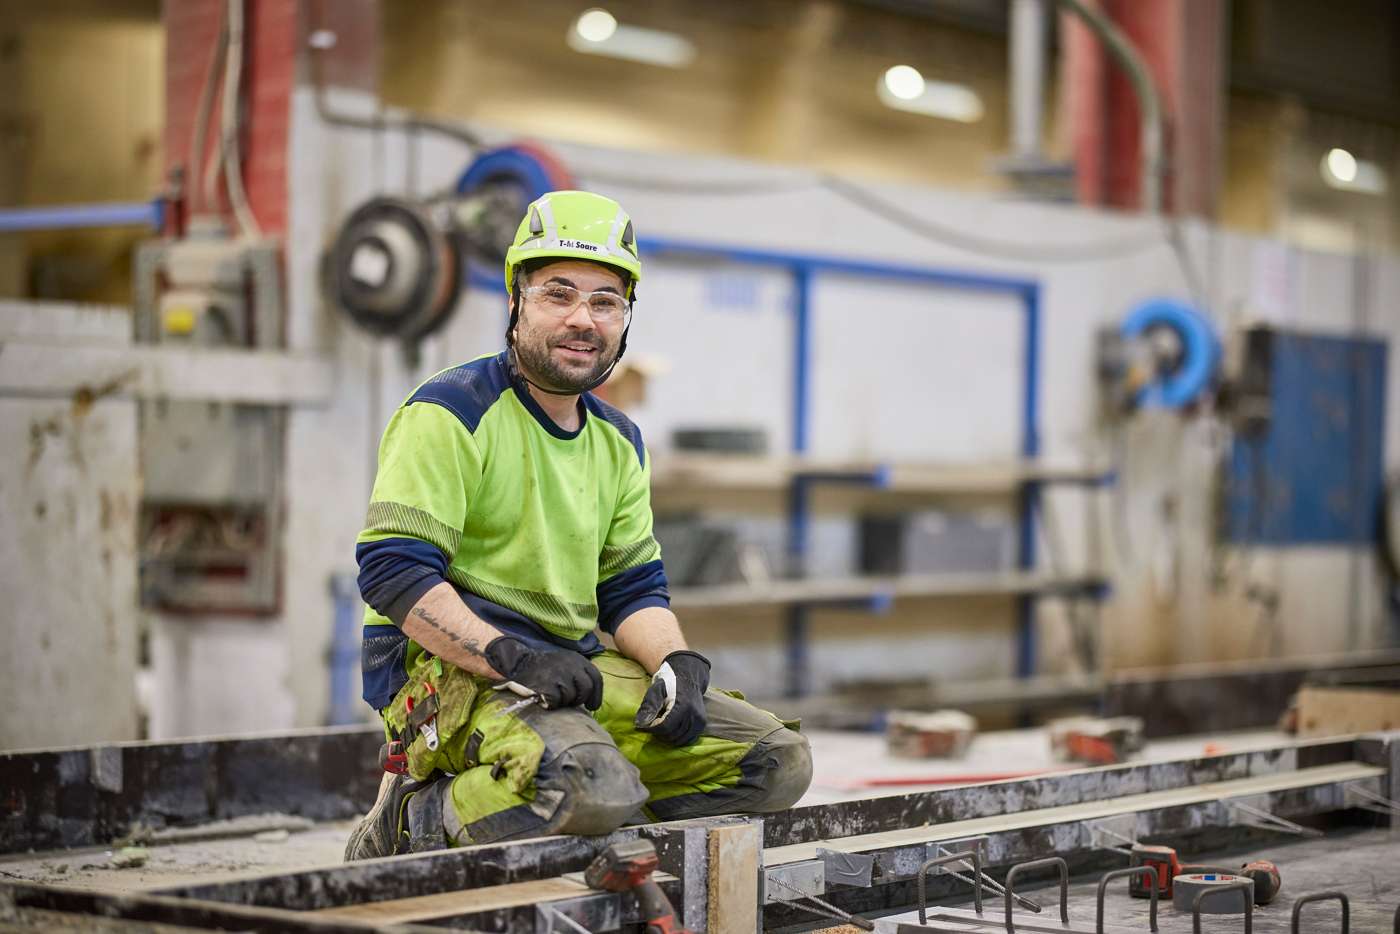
(685, 721)
(564, 678)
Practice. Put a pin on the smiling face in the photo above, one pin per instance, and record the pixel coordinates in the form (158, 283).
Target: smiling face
(567, 354)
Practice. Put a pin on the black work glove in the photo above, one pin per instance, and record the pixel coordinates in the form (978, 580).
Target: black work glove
(685, 721)
(563, 678)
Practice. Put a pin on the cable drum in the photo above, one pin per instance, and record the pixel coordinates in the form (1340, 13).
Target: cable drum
(393, 271)
(1186, 887)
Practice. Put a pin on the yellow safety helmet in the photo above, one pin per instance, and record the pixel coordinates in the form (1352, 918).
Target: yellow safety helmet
(576, 225)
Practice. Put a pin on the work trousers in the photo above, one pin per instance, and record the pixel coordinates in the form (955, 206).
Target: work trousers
(534, 772)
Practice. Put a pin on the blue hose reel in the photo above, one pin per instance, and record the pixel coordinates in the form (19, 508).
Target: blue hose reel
(1181, 348)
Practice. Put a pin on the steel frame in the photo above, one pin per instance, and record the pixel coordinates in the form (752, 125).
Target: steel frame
(1309, 779)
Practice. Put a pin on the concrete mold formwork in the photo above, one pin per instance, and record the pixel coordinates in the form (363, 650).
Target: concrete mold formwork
(722, 874)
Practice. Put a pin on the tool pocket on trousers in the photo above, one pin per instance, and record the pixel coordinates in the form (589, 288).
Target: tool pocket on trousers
(430, 714)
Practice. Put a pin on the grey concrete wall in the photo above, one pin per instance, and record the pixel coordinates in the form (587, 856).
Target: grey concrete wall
(69, 491)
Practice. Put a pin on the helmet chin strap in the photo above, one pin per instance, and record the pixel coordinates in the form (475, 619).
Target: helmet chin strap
(514, 366)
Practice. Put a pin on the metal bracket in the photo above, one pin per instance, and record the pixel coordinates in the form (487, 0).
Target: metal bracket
(1365, 794)
(847, 868)
(798, 879)
(1112, 833)
(591, 913)
(1249, 811)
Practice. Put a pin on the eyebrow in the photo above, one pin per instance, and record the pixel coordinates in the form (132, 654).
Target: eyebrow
(563, 281)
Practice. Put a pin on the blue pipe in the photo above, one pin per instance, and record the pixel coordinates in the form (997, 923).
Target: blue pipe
(72, 216)
(953, 279)
(1026, 649)
(802, 350)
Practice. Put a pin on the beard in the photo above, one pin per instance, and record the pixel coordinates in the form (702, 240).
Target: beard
(534, 352)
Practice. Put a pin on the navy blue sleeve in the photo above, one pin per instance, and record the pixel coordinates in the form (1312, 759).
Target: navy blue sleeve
(396, 572)
(628, 591)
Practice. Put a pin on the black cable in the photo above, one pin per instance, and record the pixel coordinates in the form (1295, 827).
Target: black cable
(1025, 252)
(868, 201)
(755, 186)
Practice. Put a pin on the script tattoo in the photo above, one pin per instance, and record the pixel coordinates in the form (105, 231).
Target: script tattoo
(467, 642)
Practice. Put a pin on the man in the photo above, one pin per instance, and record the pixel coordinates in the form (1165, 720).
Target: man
(510, 520)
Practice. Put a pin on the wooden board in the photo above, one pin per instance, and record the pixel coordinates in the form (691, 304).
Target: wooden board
(467, 901)
(1329, 711)
(734, 865)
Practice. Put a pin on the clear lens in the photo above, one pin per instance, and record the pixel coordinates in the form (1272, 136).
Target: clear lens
(563, 299)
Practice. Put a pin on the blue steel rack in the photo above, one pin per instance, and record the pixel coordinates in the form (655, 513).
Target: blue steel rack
(804, 269)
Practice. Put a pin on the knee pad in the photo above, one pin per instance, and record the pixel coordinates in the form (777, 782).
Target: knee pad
(601, 790)
(584, 785)
(788, 761)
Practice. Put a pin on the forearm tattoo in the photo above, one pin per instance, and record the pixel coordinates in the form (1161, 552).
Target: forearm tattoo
(468, 643)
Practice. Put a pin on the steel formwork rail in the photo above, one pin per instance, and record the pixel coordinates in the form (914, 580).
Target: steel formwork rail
(1328, 777)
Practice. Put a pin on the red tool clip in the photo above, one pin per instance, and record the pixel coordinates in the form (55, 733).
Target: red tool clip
(393, 758)
(429, 726)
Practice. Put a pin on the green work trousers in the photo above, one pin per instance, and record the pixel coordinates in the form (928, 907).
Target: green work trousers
(534, 772)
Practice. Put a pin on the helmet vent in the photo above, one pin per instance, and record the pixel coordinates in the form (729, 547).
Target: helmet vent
(536, 225)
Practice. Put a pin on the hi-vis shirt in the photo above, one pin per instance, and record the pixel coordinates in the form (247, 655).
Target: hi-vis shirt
(546, 534)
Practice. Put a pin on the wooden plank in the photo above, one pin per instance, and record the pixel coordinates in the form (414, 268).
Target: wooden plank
(1337, 711)
(1089, 810)
(467, 901)
(734, 867)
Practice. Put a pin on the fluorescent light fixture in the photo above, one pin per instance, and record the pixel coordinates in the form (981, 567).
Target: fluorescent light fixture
(597, 32)
(903, 88)
(904, 82)
(596, 25)
(1341, 165)
(1345, 172)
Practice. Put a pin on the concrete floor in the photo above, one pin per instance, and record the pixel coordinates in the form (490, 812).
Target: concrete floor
(855, 765)
(846, 765)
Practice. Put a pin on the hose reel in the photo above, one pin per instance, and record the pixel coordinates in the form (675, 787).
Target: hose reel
(398, 266)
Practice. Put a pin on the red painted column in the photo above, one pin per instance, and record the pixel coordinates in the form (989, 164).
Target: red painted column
(271, 40)
(1182, 44)
(1083, 106)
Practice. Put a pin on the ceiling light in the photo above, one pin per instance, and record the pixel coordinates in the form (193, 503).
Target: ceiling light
(898, 89)
(1345, 172)
(904, 82)
(1342, 165)
(597, 32)
(596, 25)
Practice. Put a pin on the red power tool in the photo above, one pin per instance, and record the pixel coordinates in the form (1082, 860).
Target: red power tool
(1163, 860)
(627, 867)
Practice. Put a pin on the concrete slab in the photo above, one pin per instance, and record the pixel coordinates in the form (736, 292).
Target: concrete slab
(92, 868)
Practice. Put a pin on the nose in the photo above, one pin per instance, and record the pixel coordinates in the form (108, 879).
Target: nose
(580, 319)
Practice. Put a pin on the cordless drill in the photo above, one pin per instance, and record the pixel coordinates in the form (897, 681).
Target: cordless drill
(625, 867)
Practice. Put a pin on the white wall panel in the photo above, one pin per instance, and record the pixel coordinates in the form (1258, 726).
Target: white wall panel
(725, 334)
(908, 371)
